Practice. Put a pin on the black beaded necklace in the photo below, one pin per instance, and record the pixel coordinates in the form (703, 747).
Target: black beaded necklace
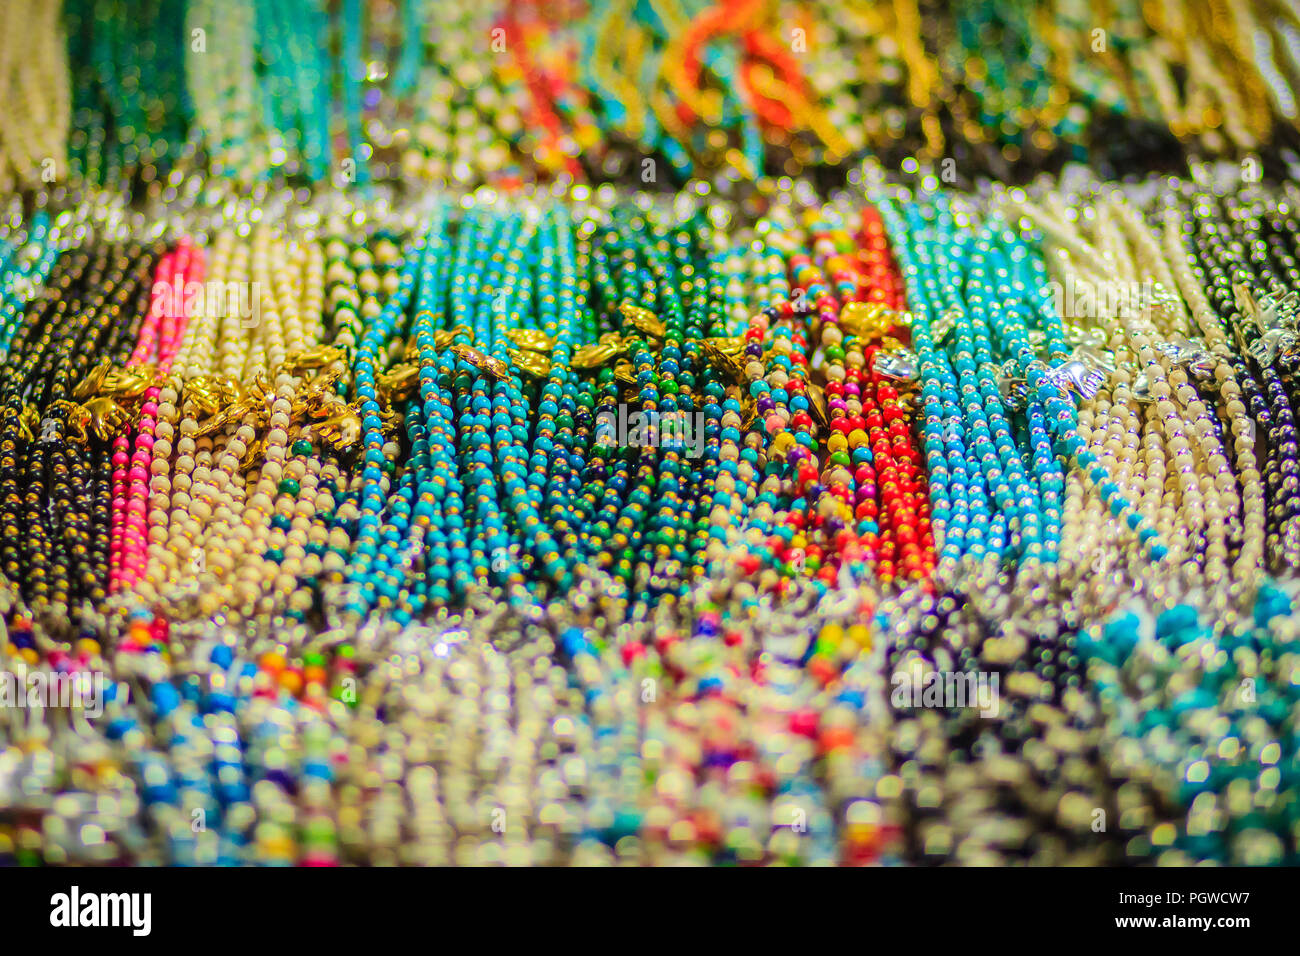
(64, 507)
(1223, 239)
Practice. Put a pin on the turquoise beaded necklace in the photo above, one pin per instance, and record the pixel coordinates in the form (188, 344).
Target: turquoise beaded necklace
(365, 572)
(565, 424)
(996, 484)
(439, 492)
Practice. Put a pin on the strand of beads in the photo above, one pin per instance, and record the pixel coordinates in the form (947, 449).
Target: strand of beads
(1194, 510)
(565, 422)
(293, 464)
(686, 473)
(73, 458)
(375, 479)
(30, 340)
(438, 493)
(160, 337)
(837, 484)
(864, 400)
(637, 533)
(173, 530)
(1251, 553)
(1003, 494)
(781, 393)
(712, 479)
(208, 491)
(34, 81)
(26, 258)
(956, 492)
(291, 287)
(1203, 429)
(1222, 272)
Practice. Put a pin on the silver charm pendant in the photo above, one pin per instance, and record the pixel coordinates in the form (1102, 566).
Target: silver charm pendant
(901, 365)
(1272, 343)
(1278, 310)
(1092, 338)
(941, 329)
(1142, 389)
(1011, 385)
(1077, 377)
(1094, 357)
(1199, 363)
(1192, 356)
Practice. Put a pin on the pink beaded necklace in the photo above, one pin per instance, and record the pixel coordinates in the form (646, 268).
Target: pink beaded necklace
(160, 334)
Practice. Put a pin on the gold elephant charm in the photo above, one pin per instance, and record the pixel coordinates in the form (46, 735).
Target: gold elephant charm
(398, 383)
(482, 361)
(595, 356)
(101, 416)
(29, 423)
(130, 382)
(206, 395)
(442, 340)
(643, 320)
(314, 358)
(724, 360)
(533, 364)
(339, 424)
(532, 340)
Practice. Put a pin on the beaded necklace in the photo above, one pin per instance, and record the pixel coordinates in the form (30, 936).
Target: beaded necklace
(1251, 555)
(867, 422)
(378, 453)
(565, 421)
(1221, 271)
(1198, 508)
(130, 110)
(34, 82)
(1008, 286)
(174, 529)
(161, 333)
(783, 403)
(69, 456)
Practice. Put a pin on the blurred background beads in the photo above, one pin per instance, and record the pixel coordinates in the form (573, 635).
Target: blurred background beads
(351, 92)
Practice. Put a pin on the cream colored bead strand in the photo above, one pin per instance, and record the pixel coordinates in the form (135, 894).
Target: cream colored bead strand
(1109, 421)
(209, 486)
(164, 560)
(172, 536)
(235, 544)
(1217, 484)
(1172, 493)
(1250, 560)
(1150, 497)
